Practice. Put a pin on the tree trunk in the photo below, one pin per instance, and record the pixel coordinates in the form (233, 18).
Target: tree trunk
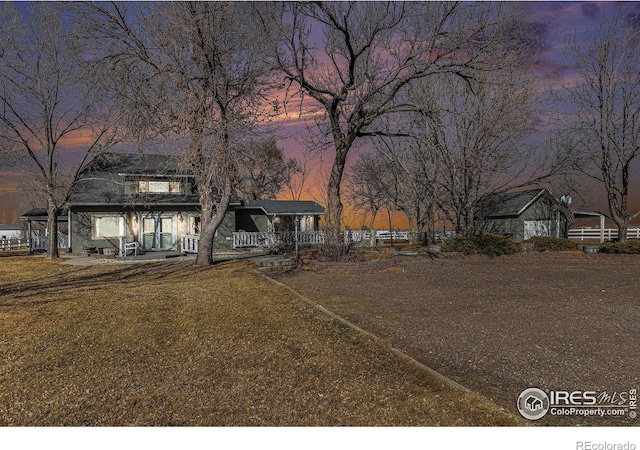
(425, 233)
(211, 219)
(372, 238)
(334, 246)
(623, 226)
(52, 229)
(207, 235)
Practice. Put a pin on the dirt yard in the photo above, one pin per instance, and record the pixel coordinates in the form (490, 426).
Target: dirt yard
(498, 326)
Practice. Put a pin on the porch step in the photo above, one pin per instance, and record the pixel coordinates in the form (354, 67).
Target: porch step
(274, 263)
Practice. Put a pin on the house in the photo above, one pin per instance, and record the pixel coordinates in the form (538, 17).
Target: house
(10, 232)
(146, 202)
(533, 403)
(521, 215)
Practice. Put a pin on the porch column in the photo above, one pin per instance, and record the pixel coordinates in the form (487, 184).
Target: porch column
(69, 246)
(29, 237)
(601, 228)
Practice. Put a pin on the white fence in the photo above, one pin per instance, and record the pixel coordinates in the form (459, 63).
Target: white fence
(35, 243)
(593, 233)
(13, 244)
(257, 239)
(264, 239)
(351, 236)
(309, 238)
(270, 239)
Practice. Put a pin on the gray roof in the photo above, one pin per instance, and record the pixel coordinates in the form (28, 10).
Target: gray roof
(9, 227)
(285, 207)
(40, 214)
(509, 204)
(102, 183)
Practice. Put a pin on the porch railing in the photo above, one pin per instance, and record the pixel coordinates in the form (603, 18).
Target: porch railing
(189, 243)
(252, 240)
(308, 238)
(41, 242)
(270, 239)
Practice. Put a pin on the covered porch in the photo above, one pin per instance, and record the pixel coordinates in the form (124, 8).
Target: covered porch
(37, 233)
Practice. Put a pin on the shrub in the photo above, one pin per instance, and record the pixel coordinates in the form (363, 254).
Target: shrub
(632, 246)
(459, 244)
(551, 244)
(487, 244)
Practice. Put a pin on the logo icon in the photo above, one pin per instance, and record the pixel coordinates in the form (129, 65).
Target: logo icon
(533, 403)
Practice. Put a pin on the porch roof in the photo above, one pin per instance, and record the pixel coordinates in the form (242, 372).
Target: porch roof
(285, 207)
(40, 215)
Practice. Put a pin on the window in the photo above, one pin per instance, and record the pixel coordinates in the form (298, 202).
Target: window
(159, 187)
(107, 226)
(194, 225)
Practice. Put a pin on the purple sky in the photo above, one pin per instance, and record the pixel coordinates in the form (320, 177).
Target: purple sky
(556, 21)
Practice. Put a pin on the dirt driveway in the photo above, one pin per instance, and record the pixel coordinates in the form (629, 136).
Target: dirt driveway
(499, 326)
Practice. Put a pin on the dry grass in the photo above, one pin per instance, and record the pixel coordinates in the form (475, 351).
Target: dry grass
(170, 344)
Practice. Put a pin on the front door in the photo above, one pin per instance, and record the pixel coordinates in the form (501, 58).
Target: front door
(157, 233)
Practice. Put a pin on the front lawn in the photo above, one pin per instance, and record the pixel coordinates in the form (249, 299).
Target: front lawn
(170, 344)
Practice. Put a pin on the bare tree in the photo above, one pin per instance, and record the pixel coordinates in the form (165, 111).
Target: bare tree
(479, 138)
(367, 191)
(370, 52)
(264, 170)
(46, 99)
(377, 182)
(414, 169)
(603, 120)
(297, 178)
(476, 136)
(192, 72)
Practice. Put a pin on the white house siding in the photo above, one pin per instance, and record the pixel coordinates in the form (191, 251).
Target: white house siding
(533, 228)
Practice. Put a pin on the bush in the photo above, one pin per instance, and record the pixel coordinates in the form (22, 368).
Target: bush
(487, 244)
(459, 244)
(630, 247)
(551, 244)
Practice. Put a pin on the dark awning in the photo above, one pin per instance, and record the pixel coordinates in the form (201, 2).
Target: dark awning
(40, 215)
(285, 207)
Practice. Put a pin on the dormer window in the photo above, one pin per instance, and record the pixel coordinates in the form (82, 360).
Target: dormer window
(159, 187)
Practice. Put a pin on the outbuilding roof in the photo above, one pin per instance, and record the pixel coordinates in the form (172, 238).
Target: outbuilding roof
(510, 204)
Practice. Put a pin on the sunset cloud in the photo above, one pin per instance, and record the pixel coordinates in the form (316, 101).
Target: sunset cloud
(554, 23)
